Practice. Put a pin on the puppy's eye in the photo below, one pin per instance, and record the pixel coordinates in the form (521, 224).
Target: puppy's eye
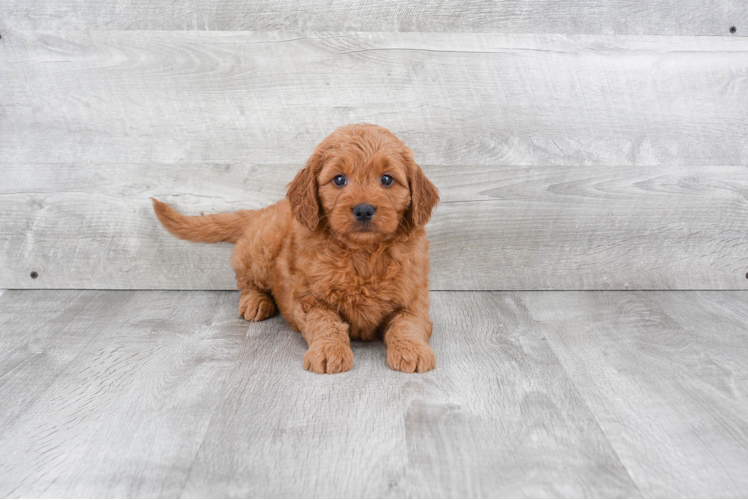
(387, 180)
(339, 180)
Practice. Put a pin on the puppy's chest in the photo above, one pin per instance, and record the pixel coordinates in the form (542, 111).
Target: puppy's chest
(365, 289)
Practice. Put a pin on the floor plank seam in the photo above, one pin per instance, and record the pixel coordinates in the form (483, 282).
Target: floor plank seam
(583, 401)
(212, 418)
(63, 370)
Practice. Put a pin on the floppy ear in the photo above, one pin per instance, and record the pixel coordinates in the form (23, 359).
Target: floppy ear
(302, 193)
(423, 197)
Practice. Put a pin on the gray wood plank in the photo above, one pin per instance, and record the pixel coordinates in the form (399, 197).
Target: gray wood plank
(498, 227)
(42, 332)
(664, 374)
(456, 99)
(536, 394)
(498, 417)
(126, 416)
(283, 431)
(657, 17)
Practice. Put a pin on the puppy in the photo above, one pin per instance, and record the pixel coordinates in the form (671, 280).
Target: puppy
(344, 256)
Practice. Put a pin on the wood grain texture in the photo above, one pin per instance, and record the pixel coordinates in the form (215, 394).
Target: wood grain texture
(499, 402)
(126, 413)
(497, 418)
(656, 17)
(536, 394)
(42, 333)
(498, 227)
(457, 99)
(664, 374)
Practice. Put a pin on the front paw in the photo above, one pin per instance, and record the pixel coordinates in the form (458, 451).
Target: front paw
(328, 357)
(409, 356)
(255, 305)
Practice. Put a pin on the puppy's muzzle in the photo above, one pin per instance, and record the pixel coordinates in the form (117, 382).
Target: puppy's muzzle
(363, 213)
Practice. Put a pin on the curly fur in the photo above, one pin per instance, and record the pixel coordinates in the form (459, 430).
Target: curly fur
(332, 277)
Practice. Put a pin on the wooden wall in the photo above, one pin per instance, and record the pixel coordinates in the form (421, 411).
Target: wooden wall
(581, 144)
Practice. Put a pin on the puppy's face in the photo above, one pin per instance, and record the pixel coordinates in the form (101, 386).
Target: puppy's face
(362, 185)
(364, 194)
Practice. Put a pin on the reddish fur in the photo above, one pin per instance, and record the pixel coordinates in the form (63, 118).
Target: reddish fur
(204, 228)
(307, 254)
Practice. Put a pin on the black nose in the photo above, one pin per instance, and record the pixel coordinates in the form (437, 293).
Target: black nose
(363, 213)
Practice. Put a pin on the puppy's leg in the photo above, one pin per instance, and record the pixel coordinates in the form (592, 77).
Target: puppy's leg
(407, 341)
(255, 305)
(252, 260)
(255, 302)
(329, 343)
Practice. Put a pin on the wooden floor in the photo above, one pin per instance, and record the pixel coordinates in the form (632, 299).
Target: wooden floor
(168, 394)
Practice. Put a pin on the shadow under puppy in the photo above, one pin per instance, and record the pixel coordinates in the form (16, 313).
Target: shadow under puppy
(344, 256)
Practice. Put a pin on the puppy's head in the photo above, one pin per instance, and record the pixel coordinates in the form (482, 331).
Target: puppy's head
(362, 184)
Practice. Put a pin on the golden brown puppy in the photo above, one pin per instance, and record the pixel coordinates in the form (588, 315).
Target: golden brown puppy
(344, 256)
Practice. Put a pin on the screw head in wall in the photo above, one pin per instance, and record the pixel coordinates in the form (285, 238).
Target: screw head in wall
(34, 275)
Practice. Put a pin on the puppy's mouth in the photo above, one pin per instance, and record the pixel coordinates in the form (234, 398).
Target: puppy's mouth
(364, 232)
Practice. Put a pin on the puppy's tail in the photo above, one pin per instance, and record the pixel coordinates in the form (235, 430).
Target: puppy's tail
(204, 228)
